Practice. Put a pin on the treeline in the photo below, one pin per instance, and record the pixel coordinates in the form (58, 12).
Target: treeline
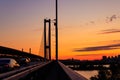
(112, 74)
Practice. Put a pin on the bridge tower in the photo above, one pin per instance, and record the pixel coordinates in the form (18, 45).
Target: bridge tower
(47, 35)
(47, 39)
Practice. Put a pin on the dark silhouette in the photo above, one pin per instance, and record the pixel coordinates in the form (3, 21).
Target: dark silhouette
(47, 39)
(112, 74)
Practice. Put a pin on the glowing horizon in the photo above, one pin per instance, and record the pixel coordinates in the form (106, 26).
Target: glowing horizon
(88, 29)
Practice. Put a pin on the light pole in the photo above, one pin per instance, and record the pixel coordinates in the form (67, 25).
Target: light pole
(56, 30)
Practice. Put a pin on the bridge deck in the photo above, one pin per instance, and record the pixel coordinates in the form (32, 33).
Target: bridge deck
(55, 71)
(51, 71)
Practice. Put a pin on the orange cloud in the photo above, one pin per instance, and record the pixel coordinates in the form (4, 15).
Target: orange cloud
(109, 31)
(99, 48)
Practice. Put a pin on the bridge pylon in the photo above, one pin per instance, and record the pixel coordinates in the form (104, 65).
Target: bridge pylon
(47, 39)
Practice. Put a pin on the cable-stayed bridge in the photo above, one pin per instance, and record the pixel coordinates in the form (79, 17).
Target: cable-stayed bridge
(41, 67)
(44, 69)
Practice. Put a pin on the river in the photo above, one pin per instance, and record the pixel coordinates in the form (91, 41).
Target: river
(88, 74)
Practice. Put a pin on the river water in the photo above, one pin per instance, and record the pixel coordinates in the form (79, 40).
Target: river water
(88, 74)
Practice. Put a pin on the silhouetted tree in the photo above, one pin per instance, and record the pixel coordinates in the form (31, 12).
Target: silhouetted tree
(115, 70)
(102, 75)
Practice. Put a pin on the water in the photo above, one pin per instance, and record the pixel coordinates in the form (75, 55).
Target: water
(88, 74)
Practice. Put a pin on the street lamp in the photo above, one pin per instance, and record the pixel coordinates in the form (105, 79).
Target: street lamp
(56, 30)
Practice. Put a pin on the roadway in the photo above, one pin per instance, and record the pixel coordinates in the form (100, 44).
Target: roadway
(43, 71)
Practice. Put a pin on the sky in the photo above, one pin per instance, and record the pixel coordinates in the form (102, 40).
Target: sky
(88, 29)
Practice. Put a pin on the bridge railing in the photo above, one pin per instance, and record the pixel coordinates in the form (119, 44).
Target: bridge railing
(72, 74)
(17, 74)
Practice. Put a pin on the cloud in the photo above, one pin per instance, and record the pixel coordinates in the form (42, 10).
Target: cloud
(108, 42)
(109, 31)
(115, 41)
(92, 22)
(111, 18)
(99, 48)
(90, 55)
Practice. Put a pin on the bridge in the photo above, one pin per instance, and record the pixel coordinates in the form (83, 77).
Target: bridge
(45, 68)
(42, 70)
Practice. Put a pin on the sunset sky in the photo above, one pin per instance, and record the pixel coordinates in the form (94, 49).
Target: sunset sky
(88, 29)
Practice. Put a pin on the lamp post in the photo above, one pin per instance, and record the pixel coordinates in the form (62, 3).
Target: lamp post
(56, 30)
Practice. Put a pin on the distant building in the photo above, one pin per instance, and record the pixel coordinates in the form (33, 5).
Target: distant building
(118, 56)
(104, 57)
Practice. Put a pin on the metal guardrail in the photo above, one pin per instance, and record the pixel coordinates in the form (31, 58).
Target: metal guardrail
(17, 74)
(72, 74)
(3, 75)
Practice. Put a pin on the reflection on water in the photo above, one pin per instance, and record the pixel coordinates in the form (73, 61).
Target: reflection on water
(88, 74)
